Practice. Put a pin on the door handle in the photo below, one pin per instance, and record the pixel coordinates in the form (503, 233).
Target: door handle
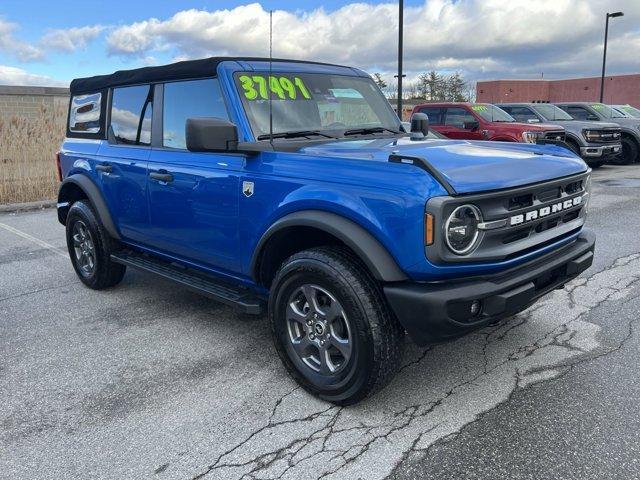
(104, 168)
(165, 177)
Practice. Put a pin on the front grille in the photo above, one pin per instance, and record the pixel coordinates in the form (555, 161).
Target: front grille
(516, 229)
(609, 136)
(555, 135)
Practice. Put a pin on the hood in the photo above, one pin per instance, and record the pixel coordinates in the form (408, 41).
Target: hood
(586, 124)
(531, 127)
(467, 166)
(627, 122)
(576, 126)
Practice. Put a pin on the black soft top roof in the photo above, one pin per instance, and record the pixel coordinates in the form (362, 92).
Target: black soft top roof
(204, 67)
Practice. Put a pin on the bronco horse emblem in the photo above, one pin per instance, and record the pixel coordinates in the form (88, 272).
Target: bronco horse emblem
(247, 188)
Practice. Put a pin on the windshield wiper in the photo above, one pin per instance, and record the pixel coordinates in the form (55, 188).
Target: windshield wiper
(294, 134)
(365, 131)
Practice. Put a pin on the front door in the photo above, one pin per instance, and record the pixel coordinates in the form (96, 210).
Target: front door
(457, 124)
(193, 197)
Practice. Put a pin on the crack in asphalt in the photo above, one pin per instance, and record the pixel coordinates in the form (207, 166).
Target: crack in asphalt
(373, 439)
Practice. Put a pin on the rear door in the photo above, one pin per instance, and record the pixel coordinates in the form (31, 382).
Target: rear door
(193, 197)
(122, 165)
(455, 121)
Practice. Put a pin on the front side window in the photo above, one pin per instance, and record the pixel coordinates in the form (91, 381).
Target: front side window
(190, 99)
(131, 110)
(84, 116)
(458, 116)
(313, 102)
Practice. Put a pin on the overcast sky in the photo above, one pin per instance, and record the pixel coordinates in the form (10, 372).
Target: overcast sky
(51, 42)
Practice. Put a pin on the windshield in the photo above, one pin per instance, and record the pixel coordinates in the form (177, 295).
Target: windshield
(491, 113)
(631, 111)
(606, 111)
(551, 112)
(312, 102)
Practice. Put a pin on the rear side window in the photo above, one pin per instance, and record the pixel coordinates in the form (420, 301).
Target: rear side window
(578, 113)
(521, 114)
(131, 110)
(84, 115)
(191, 99)
(457, 117)
(434, 114)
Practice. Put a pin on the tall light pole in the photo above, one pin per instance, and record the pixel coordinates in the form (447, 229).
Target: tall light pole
(400, 75)
(604, 55)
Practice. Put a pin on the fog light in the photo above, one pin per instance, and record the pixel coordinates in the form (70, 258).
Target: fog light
(476, 307)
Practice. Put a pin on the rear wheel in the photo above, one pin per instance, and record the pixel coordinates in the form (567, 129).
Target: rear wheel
(332, 327)
(90, 248)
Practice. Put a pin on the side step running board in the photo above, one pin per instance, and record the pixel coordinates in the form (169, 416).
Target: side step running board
(241, 298)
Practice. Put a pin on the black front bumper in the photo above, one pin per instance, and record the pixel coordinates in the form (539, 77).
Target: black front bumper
(434, 312)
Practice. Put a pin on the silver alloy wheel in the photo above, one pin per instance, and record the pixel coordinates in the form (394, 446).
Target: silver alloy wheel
(84, 249)
(318, 329)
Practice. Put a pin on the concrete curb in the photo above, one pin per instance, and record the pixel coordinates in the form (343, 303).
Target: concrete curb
(26, 207)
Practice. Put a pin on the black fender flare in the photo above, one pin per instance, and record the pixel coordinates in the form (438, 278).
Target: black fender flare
(629, 132)
(574, 138)
(374, 255)
(94, 195)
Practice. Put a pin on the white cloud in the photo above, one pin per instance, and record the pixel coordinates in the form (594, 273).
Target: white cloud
(479, 37)
(71, 39)
(19, 49)
(17, 76)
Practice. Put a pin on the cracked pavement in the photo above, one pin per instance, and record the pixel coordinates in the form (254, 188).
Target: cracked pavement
(151, 381)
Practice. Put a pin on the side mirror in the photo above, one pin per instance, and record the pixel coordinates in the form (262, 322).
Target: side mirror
(474, 125)
(208, 134)
(420, 124)
(533, 120)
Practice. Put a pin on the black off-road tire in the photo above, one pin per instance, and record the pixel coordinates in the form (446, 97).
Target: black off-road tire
(378, 338)
(629, 152)
(104, 273)
(597, 164)
(573, 146)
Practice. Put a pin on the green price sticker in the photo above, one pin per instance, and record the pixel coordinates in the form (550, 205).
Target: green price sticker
(259, 87)
(479, 108)
(598, 106)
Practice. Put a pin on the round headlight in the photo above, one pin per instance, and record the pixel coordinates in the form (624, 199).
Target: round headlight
(461, 229)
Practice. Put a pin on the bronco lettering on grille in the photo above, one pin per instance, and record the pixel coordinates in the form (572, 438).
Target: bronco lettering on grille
(544, 211)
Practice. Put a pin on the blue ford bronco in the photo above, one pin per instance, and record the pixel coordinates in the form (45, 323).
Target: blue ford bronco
(291, 188)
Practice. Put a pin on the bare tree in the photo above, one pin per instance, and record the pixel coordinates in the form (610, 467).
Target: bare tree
(377, 77)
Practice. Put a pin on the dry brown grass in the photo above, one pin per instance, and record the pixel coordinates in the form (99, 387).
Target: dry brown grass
(27, 150)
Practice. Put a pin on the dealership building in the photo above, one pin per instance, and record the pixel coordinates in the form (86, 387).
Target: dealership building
(619, 89)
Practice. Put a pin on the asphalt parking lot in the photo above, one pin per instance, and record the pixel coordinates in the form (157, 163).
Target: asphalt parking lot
(148, 380)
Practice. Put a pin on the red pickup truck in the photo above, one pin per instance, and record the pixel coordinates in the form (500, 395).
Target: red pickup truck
(483, 121)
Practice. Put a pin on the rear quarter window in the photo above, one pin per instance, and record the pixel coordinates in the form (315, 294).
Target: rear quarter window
(86, 114)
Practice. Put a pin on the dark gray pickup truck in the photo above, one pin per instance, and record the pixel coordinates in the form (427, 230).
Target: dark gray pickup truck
(596, 142)
(599, 112)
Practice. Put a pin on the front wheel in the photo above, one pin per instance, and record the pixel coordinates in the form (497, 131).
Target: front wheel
(629, 152)
(332, 327)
